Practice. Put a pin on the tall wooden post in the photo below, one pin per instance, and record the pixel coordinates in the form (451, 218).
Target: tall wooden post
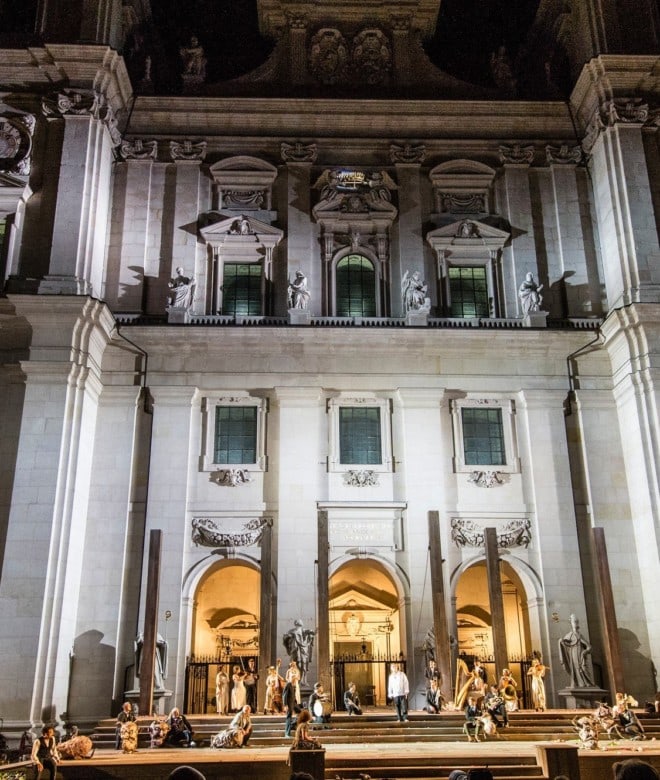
(323, 627)
(440, 630)
(496, 601)
(265, 611)
(148, 658)
(611, 644)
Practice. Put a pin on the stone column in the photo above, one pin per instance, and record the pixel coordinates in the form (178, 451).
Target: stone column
(409, 242)
(80, 222)
(49, 509)
(297, 50)
(191, 196)
(301, 247)
(133, 237)
(624, 204)
(516, 205)
(167, 507)
(579, 294)
(297, 450)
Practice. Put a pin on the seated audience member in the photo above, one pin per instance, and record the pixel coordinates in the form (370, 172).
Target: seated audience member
(634, 769)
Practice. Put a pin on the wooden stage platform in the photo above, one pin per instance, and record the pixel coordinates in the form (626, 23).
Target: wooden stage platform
(509, 758)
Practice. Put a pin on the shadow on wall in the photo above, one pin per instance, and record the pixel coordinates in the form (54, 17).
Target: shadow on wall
(639, 672)
(91, 681)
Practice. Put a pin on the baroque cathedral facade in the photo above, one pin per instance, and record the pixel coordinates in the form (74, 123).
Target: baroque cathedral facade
(323, 330)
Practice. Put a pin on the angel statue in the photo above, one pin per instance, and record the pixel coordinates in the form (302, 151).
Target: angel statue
(299, 642)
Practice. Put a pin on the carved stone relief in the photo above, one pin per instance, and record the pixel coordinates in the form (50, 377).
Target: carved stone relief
(364, 478)
(138, 150)
(231, 477)
(407, 153)
(92, 104)
(298, 152)
(367, 60)
(209, 532)
(517, 154)
(514, 533)
(187, 150)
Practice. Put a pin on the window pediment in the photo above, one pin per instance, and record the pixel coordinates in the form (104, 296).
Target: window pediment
(467, 236)
(225, 229)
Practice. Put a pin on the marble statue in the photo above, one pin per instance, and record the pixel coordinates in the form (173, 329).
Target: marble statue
(160, 660)
(574, 651)
(413, 292)
(298, 295)
(530, 296)
(299, 642)
(182, 290)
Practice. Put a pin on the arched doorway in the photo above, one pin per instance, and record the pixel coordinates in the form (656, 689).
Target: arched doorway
(225, 630)
(474, 627)
(365, 629)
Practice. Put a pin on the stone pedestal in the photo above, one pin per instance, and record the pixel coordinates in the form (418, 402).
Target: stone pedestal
(299, 317)
(178, 314)
(536, 319)
(310, 761)
(417, 318)
(582, 698)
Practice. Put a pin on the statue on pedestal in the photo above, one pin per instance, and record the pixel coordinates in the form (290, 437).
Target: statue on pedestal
(574, 651)
(299, 642)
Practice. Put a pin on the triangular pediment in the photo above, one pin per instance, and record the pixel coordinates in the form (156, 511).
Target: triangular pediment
(221, 228)
(468, 230)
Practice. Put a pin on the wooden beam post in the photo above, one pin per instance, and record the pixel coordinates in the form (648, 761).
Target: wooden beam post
(148, 658)
(265, 612)
(440, 629)
(496, 601)
(322, 611)
(611, 645)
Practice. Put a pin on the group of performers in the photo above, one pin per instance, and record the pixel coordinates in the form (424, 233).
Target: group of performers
(173, 730)
(243, 689)
(618, 721)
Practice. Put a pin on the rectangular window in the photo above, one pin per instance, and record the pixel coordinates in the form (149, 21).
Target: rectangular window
(241, 289)
(235, 434)
(468, 290)
(359, 435)
(483, 437)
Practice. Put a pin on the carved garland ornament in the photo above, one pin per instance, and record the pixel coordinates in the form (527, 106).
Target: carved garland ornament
(231, 477)
(369, 60)
(365, 478)
(487, 479)
(515, 533)
(207, 533)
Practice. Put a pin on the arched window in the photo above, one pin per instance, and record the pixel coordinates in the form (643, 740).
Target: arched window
(356, 287)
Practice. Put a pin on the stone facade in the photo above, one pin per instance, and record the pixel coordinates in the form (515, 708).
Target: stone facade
(109, 426)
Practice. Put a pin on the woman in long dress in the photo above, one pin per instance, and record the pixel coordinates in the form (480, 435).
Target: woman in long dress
(293, 676)
(221, 692)
(537, 673)
(238, 692)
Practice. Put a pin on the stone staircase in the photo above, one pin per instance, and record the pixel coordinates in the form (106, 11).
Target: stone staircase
(379, 727)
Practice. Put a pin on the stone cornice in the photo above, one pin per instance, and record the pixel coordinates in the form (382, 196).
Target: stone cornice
(317, 119)
(610, 77)
(273, 14)
(97, 68)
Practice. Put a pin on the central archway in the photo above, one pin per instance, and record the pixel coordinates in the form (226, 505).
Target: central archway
(365, 628)
(225, 630)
